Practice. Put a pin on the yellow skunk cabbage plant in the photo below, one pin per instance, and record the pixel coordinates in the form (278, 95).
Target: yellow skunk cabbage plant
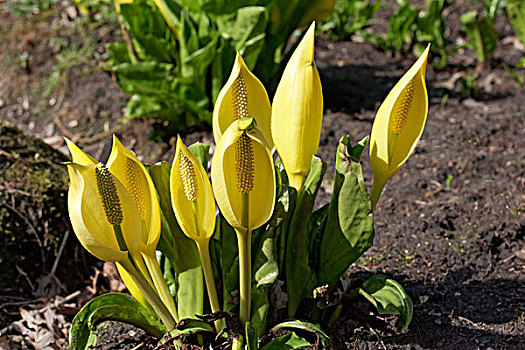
(214, 264)
(398, 125)
(297, 112)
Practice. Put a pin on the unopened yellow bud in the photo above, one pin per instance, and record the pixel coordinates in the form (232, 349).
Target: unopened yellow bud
(297, 112)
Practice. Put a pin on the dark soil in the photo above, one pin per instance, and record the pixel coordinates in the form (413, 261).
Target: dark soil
(450, 227)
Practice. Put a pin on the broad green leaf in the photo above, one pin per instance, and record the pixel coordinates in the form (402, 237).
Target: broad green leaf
(183, 253)
(300, 279)
(516, 13)
(202, 152)
(112, 306)
(190, 326)
(287, 341)
(246, 28)
(316, 227)
(305, 326)
(349, 229)
(148, 78)
(152, 37)
(218, 7)
(389, 298)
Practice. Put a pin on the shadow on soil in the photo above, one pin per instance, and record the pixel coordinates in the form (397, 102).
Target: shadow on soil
(457, 313)
(351, 88)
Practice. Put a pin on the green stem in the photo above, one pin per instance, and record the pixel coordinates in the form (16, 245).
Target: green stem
(204, 253)
(160, 284)
(150, 294)
(245, 262)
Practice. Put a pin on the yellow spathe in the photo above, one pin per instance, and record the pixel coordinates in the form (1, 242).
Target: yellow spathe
(79, 156)
(297, 112)
(254, 172)
(243, 95)
(128, 169)
(191, 195)
(91, 221)
(399, 122)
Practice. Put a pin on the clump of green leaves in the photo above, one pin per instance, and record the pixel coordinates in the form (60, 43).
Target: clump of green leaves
(176, 53)
(479, 28)
(349, 17)
(408, 29)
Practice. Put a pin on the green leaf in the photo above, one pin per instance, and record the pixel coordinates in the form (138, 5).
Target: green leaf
(389, 298)
(152, 37)
(190, 326)
(401, 26)
(118, 53)
(112, 306)
(182, 253)
(516, 13)
(305, 326)
(251, 337)
(202, 152)
(481, 35)
(300, 279)
(246, 28)
(316, 227)
(287, 341)
(349, 230)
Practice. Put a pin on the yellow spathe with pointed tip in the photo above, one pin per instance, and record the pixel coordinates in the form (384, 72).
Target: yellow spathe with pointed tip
(97, 202)
(398, 125)
(129, 170)
(79, 156)
(243, 95)
(191, 195)
(243, 163)
(297, 112)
